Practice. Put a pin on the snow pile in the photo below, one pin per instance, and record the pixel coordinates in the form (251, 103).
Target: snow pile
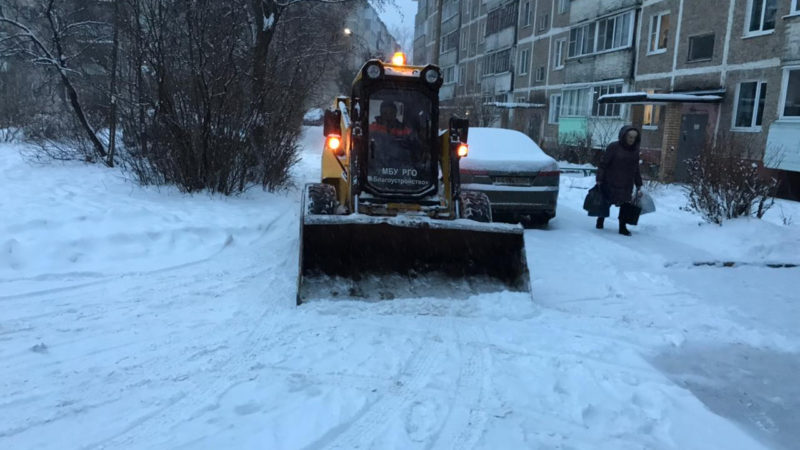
(83, 222)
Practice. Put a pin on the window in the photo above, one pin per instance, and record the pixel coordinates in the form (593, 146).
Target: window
(652, 114)
(497, 62)
(449, 75)
(544, 20)
(581, 40)
(501, 18)
(614, 32)
(555, 109)
(523, 61)
(575, 102)
(478, 73)
(462, 75)
(659, 33)
(558, 54)
(449, 42)
(761, 15)
(606, 110)
(796, 7)
(790, 103)
(540, 74)
(526, 14)
(464, 40)
(701, 48)
(482, 32)
(749, 110)
(563, 6)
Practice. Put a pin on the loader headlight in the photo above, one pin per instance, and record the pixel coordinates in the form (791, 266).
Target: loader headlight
(374, 71)
(431, 75)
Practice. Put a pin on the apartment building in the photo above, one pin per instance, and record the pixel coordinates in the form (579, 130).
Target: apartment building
(363, 36)
(685, 71)
(368, 35)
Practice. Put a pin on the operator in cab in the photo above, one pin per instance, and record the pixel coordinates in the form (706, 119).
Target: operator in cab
(386, 122)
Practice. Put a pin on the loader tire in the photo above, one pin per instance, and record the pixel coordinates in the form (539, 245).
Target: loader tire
(320, 199)
(475, 206)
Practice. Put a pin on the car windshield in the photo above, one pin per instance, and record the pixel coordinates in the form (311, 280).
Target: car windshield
(399, 158)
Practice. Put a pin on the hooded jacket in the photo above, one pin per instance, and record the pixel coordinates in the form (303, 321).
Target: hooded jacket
(619, 168)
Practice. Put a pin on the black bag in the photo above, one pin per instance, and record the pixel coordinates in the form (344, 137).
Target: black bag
(596, 204)
(629, 213)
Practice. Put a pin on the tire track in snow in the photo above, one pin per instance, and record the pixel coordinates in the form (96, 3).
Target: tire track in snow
(467, 417)
(268, 330)
(227, 373)
(371, 421)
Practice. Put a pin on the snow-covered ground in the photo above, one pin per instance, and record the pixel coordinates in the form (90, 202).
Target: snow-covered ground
(143, 318)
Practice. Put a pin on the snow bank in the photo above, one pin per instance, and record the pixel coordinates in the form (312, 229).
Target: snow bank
(84, 221)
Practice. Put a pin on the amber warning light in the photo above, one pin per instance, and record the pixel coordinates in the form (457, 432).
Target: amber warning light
(399, 59)
(462, 151)
(334, 143)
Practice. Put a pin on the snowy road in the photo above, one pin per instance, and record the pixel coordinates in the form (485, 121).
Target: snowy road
(133, 318)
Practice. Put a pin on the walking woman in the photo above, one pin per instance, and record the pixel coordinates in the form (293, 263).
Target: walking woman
(619, 172)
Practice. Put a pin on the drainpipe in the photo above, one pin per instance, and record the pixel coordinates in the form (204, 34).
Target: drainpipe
(514, 59)
(437, 33)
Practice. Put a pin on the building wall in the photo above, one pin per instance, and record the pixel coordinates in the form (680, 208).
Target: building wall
(738, 56)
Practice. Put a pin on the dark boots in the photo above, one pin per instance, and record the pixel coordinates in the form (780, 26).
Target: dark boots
(623, 229)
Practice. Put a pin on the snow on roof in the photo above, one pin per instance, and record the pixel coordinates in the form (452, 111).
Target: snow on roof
(503, 149)
(514, 105)
(644, 97)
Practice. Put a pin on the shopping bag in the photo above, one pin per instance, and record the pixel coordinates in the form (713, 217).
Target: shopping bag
(645, 201)
(596, 204)
(629, 213)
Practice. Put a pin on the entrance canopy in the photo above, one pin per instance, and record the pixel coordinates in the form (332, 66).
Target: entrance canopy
(512, 105)
(650, 99)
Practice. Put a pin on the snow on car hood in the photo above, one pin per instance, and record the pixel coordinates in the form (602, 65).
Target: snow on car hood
(505, 150)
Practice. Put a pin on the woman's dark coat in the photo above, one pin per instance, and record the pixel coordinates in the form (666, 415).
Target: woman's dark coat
(619, 168)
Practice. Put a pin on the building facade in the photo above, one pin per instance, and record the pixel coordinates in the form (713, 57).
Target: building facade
(709, 68)
(363, 36)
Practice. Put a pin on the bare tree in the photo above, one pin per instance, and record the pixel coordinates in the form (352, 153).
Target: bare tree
(112, 119)
(53, 43)
(209, 94)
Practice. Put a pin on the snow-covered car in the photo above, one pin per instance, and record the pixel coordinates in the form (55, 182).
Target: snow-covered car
(313, 117)
(520, 180)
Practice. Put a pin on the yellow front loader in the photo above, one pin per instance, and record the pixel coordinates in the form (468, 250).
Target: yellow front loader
(388, 218)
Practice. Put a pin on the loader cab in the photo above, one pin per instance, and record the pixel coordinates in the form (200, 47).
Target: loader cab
(397, 110)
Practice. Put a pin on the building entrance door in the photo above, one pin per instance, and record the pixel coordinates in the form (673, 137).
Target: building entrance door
(692, 141)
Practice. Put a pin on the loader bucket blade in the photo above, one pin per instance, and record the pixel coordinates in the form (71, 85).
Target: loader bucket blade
(387, 257)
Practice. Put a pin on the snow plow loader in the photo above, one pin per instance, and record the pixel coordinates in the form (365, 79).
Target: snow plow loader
(389, 218)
